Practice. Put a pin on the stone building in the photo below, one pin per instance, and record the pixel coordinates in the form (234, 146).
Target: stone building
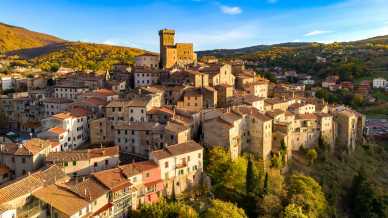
(171, 54)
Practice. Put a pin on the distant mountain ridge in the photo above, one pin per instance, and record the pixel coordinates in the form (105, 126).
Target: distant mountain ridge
(257, 48)
(14, 38)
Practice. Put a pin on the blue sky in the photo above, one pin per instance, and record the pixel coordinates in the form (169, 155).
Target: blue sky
(208, 24)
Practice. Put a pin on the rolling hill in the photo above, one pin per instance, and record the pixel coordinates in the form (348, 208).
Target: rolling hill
(13, 38)
(50, 52)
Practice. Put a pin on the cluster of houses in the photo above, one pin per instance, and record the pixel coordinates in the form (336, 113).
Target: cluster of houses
(333, 83)
(79, 132)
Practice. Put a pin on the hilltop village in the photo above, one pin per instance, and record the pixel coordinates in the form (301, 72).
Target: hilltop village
(84, 145)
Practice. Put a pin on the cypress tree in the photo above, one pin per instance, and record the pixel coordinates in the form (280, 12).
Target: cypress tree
(250, 178)
(266, 184)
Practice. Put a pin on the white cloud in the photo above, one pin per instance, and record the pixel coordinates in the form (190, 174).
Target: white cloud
(230, 10)
(296, 40)
(317, 32)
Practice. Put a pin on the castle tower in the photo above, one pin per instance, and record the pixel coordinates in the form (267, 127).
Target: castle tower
(167, 47)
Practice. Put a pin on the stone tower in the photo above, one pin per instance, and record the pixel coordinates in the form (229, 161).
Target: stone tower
(167, 47)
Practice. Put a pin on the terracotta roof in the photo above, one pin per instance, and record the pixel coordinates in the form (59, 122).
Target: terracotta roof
(102, 209)
(323, 114)
(33, 182)
(253, 112)
(138, 102)
(88, 189)
(118, 103)
(29, 147)
(61, 199)
(177, 149)
(105, 92)
(274, 113)
(274, 101)
(157, 110)
(306, 117)
(113, 179)
(137, 167)
(78, 155)
(80, 112)
(94, 101)
(62, 116)
(57, 130)
(175, 127)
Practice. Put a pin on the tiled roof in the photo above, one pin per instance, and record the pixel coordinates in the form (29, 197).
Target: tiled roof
(57, 130)
(137, 167)
(94, 101)
(78, 155)
(306, 117)
(274, 113)
(253, 112)
(62, 116)
(118, 103)
(177, 149)
(89, 189)
(30, 147)
(80, 112)
(31, 183)
(61, 199)
(138, 102)
(105, 92)
(113, 179)
(175, 127)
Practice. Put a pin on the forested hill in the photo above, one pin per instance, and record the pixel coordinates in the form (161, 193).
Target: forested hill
(49, 52)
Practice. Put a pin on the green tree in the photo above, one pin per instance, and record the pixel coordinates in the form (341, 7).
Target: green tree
(250, 178)
(312, 155)
(221, 209)
(363, 199)
(283, 152)
(266, 184)
(305, 192)
(164, 209)
(293, 211)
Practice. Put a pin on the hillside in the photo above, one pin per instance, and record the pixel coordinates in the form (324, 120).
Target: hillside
(50, 53)
(78, 55)
(251, 49)
(13, 38)
(378, 40)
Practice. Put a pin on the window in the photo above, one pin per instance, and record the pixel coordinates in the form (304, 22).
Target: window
(166, 164)
(65, 164)
(23, 160)
(147, 175)
(74, 163)
(95, 164)
(106, 162)
(199, 155)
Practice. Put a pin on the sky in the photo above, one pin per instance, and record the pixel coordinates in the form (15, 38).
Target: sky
(209, 24)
